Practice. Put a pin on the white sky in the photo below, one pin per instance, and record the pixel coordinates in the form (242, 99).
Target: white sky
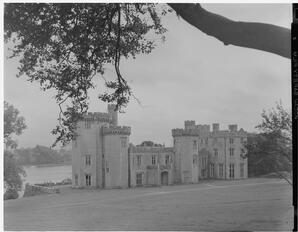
(191, 76)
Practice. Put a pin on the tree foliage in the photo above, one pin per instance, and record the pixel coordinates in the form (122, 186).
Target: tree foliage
(64, 46)
(149, 144)
(12, 176)
(271, 149)
(13, 124)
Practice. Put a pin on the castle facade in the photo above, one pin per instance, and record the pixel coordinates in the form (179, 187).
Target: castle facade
(104, 158)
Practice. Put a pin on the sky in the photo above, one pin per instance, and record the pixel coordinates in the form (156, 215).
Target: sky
(191, 76)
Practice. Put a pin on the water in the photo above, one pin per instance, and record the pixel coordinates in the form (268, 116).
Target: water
(35, 174)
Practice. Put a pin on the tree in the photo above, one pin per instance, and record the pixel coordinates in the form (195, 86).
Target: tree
(13, 124)
(12, 176)
(64, 46)
(271, 149)
(150, 144)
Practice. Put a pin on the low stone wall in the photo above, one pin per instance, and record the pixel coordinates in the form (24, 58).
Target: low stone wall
(33, 190)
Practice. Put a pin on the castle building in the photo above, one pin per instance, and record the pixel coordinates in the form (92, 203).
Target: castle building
(103, 158)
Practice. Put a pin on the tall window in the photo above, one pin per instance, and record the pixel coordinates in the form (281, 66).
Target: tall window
(167, 159)
(87, 123)
(194, 145)
(220, 170)
(231, 140)
(231, 151)
(206, 141)
(88, 180)
(76, 179)
(123, 142)
(107, 167)
(88, 160)
(139, 160)
(232, 171)
(242, 170)
(211, 170)
(153, 160)
(139, 179)
(215, 152)
(195, 159)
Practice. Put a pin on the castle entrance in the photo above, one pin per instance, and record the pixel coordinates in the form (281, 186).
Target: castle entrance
(164, 178)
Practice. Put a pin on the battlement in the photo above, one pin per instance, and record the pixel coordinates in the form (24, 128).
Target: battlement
(122, 130)
(147, 149)
(204, 130)
(98, 116)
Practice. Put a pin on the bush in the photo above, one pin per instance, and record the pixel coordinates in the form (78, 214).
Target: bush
(11, 194)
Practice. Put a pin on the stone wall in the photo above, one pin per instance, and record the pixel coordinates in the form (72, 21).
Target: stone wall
(33, 190)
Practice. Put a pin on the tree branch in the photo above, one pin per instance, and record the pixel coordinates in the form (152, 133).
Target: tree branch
(260, 36)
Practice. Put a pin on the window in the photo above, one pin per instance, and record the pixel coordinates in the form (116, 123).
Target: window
(107, 167)
(211, 170)
(220, 170)
(153, 160)
(75, 142)
(167, 159)
(123, 142)
(206, 141)
(194, 145)
(195, 159)
(231, 151)
(231, 140)
(242, 140)
(215, 152)
(139, 160)
(88, 180)
(88, 160)
(87, 123)
(174, 142)
(231, 171)
(242, 170)
(76, 179)
(202, 140)
(139, 179)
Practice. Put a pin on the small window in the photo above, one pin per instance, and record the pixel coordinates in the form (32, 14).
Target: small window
(123, 142)
(107, 167)
(88, 160)
(232, 171)
(195, 159)
(76, 179)
(194, 145)
(231, 151)
(88, 180)
(215, 152)
(220, 170)
(242, 170)
(167, 159)
(87, 123)
(139, 160)
(153, 160)
(211, 170)
(231, 140)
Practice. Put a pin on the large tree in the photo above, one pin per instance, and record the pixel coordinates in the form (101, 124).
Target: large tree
(14, 124)
(271, 149)
(64, 46)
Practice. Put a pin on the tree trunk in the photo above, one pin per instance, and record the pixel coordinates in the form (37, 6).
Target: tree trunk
(260, 36)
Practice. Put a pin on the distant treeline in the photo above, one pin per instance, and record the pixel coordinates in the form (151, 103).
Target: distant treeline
(42, 155)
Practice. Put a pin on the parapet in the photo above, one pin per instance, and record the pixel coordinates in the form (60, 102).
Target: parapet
(121, 130)
(147, 149)
(189, 124)
(98, 116)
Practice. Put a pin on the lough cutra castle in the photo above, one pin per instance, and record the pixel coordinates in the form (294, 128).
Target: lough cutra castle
(103, 157)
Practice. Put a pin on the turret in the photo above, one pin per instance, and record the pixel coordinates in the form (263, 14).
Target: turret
(113, 113)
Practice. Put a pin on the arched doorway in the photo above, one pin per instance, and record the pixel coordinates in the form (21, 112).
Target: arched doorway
(164, 178)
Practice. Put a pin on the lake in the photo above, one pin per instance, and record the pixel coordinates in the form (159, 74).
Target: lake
(35, 174)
